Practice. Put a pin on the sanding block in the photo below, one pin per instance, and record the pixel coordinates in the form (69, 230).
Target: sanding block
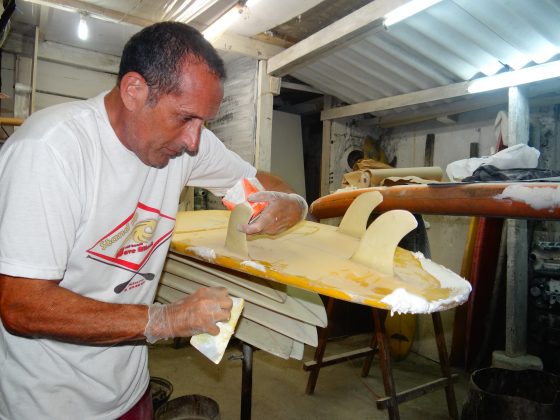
(214, 346)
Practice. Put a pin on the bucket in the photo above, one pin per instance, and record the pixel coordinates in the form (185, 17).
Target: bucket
(496, 394)
(189, 407)
(161, 389)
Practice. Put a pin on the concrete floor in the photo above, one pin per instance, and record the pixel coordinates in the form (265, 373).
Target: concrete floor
(279, 385)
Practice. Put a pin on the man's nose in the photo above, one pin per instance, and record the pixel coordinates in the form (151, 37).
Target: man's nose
(190, 136)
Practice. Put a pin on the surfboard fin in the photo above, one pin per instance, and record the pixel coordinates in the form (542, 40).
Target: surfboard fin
(354, 221)
(378, 244)
(236, 241)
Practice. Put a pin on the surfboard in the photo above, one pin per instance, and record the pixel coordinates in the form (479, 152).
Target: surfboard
(491, 199)
(301, 305)
(350, 262)
(275, 321)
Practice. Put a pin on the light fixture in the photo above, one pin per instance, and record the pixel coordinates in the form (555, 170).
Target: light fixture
(188, 11)
(407, 10)
(241, 8)
(83, 30)
(222, 23)
(515, 78)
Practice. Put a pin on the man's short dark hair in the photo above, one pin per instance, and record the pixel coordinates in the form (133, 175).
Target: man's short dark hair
(158, 51)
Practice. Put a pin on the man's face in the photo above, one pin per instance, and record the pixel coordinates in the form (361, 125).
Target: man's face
(172, 125)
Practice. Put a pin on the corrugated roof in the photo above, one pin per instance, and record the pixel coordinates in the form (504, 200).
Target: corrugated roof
(450, 42)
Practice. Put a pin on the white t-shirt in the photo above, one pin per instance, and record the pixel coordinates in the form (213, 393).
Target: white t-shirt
(76, 205)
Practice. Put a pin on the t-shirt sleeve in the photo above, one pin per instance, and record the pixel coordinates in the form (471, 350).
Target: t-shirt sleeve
(39, 211)
(217, 168)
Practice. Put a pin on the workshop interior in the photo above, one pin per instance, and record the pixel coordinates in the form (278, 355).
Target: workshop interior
(433, 123)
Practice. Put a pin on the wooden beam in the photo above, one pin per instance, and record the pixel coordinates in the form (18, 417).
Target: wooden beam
(64, 54)
(43, 21)
(406, 99)
(333, 36)
(538, 97)
(441, 110)
(300, 86)
(34, 72)
(245, 46)
(419, 97)
(263, 144)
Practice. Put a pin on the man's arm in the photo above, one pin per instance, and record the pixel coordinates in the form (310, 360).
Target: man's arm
(284, 209)
(43, 309)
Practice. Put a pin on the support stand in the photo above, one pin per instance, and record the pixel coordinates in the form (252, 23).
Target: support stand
(379, 343)
(246, 382)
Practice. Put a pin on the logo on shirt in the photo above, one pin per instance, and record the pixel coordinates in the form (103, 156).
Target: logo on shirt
(130, 245)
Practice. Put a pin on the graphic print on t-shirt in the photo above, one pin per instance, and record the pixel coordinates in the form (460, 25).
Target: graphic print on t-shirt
(132, 242)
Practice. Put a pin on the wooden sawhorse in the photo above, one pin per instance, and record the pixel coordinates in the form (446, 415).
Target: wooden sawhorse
(379, 344)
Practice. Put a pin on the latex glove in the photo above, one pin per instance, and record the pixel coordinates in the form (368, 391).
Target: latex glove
(283, 211)
(193, 314)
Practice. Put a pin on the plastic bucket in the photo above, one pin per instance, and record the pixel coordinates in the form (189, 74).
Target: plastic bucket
(161, 389)
(496, 394)
(189, 407)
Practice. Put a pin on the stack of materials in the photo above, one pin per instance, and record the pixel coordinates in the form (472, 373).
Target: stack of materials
(276, 318)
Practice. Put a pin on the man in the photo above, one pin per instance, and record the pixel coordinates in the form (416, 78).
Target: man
(88, 195)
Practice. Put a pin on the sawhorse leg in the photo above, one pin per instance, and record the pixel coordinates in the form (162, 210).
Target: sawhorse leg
(319, 361)
(392, 398)
(445, 369)
(385, 364)
(380, 343)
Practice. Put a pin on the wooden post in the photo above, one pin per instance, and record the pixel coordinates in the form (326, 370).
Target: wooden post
(268, 86)
(34, 72)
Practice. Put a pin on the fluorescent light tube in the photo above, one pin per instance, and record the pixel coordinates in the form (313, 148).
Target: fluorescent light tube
(515, 78)
(83, 30)
(224, 22)
(407, 10)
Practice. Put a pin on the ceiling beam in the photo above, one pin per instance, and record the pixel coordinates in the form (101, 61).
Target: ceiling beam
(300, 87)
(64, 54)
(540, 95)
(406, 99)
(333, 36)
(246, 46)
(434, 94)
(440, 111)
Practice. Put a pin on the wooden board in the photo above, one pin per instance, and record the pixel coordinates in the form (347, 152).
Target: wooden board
(299, 304)
(268, 340)
(317, 257)
(264, 287)
(461, 199)
(282, 324)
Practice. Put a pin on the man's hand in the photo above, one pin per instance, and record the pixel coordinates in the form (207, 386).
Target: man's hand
(283, 211)
(194, 314)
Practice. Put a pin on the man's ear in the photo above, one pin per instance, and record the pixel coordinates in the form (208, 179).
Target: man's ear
(134, 91)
